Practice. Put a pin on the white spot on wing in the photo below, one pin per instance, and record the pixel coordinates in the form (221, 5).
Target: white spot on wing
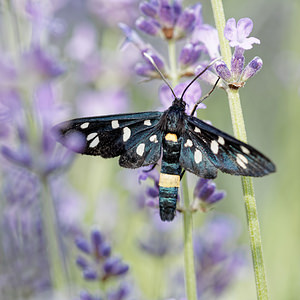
(153, 138)
(84, 125)
(214, 146)
(221, 140)
(140, 149)
(197, 156)
(241, 163)
(126, 134)
(147, 122)
(245, 150)
(188, 143)
(197, 130)
(91, 136)
(115, 124)
(242, 158)
(95, 142)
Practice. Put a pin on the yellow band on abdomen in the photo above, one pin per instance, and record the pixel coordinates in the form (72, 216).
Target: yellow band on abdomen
(168, 180)
(171, 137)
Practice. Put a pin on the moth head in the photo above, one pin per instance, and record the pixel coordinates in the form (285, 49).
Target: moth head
(179, 103)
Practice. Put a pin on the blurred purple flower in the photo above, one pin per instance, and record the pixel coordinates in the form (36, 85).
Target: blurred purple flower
(237, 34)
(87, 296)
(168, 19)
(217, 258)
(208, 36)
(48, 159)
(83, 42)
(149, 26)
(114, 11)
(109, 101)
(157, 237)
(190, 54)
(208, 76)
(42, 65)
(121, 293)
(41, 15)
(146, 68)
(24, 264)
(150, 195)
(206, 195)
(100, 265)
(192, 95)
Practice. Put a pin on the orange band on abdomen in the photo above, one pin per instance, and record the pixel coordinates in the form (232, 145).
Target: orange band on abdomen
(171, 137)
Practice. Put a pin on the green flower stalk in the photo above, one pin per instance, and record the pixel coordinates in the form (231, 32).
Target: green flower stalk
(247, 182)
(189, 267)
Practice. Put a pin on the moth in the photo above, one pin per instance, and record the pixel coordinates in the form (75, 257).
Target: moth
(184, 141)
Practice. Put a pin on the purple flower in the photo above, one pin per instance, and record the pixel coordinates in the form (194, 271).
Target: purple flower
(168, 18)
(217, 258)
(157, 239)
(121, 293)
(25, 267)
(238, 75)
(48, 159)
(150, 196)
(148, 26)
(146, 68)
(208, 36)
(208, 76)
(252, 68)
(113, 266)
(87, 296)
(41, 64)
(100, 265)
(190, 54)
(91, 103)
(150, 8)
(237, 34)
(205, 195)
(83, 42)
(83, 245)
(114, 11)
(192, 95)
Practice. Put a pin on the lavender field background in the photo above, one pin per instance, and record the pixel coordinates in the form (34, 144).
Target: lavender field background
(80, 227)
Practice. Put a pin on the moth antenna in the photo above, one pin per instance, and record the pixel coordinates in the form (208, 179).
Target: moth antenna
(159, 72)
(205, 69)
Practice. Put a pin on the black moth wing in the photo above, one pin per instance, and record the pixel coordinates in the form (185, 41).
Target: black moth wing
(206, 146)
(118, 135)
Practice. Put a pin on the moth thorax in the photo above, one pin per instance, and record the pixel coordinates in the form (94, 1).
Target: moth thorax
(174, 122)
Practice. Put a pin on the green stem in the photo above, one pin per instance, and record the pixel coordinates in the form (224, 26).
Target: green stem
(56, 263)
(247, 182)
(189, 268)
(173, 64)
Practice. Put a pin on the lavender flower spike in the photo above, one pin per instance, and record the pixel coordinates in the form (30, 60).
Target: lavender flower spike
(237, 34)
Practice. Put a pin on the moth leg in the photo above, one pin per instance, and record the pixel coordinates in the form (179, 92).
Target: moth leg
(153, 166)
(182, 173)
(205, 96)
